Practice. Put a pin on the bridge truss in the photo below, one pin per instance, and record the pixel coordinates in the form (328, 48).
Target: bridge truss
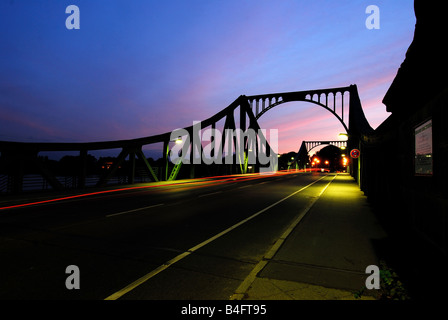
(18, 158)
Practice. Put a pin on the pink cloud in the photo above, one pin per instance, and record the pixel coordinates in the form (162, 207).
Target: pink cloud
(14, 120)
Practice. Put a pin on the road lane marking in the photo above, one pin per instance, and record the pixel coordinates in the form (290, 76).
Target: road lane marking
(167, 264)
(134, 210)
(209, 194)
(244, 286)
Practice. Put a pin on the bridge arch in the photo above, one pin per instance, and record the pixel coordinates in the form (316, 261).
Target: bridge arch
(310, 145)
(322, 98)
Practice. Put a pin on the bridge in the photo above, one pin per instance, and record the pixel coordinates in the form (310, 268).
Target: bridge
(238, 151)
(160, 239)
(310, 145)
(239, 235)
(302, 156)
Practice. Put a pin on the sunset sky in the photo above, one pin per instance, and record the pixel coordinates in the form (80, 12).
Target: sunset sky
(137, 68)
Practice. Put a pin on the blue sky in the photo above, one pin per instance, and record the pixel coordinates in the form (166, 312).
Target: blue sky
(137, 68)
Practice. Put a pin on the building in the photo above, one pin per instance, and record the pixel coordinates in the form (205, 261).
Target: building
(405, 172)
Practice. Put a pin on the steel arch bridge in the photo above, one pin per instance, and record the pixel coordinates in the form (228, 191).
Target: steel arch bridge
(331, 99)
(16, 158)
(310, 145)
(302, 155)
(263, 103)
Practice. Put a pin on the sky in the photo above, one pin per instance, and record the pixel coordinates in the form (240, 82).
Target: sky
(137, 68)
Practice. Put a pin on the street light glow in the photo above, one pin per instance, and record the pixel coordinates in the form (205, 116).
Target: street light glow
(343, 136)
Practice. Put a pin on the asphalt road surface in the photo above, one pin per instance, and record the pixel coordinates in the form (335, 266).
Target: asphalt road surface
(194, 239)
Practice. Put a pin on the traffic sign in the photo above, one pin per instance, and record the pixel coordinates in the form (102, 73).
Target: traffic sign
(354, 153)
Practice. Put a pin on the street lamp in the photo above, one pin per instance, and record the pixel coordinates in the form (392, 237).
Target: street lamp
(343, 136)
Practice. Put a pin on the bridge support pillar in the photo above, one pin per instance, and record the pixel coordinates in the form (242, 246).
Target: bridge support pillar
(192, 171)
(15, 162)
(131, 174)
(164, 171)
(83, 169)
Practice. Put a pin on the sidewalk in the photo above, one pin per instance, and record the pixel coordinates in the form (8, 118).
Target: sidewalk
(326, 255)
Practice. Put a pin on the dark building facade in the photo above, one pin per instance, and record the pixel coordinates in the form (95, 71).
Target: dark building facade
(405, 163)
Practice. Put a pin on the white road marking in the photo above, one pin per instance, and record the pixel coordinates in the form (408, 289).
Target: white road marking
(134, 210)
(209, 194)
(167, 264)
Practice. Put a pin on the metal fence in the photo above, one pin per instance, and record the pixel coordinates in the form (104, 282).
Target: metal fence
(35, 182)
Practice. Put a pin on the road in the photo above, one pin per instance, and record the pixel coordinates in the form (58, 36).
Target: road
(194, 239)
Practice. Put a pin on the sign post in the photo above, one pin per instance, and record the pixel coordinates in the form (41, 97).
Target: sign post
(354, 153)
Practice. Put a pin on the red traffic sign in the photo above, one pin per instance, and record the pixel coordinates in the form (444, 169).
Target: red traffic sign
(354, 153)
